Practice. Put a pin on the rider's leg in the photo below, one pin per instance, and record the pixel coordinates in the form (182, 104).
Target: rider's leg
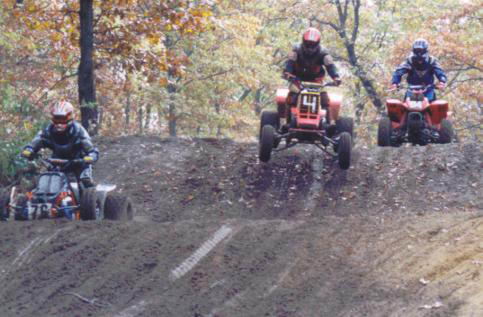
(86, 177)
(430, 94)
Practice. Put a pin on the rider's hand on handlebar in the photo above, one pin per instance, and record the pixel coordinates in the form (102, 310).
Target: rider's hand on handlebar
(88, 159)
(28, 154)
(441, 85)
(393, 87)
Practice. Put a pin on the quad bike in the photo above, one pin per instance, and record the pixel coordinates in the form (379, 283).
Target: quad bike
(59, 194)
(415, 120)
(307, 122)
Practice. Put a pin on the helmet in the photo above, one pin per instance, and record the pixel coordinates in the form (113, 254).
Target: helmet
(62, 115)
(421, 51)
(311, 41)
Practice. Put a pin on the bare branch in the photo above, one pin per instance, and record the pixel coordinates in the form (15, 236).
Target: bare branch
(207, 77)
(355, 30)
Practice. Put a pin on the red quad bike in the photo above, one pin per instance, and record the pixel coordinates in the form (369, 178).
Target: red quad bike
(308, 123)
(415, 120)
(59, 194)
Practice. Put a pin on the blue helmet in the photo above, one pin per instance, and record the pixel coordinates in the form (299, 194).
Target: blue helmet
(420, 51)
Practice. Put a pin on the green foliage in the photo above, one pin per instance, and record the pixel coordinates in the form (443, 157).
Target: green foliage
(210, 67)
(15, 131)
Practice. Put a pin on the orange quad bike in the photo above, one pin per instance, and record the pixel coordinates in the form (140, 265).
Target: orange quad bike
(415, 120)
(307, 122)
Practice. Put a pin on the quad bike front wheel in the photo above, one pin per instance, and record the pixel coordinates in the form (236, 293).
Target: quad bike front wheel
(90, 207)
(344, 150)
(345, 124)
(384, 131)
(446, 132)
(266, 143)
(118, 207)
(270, 118)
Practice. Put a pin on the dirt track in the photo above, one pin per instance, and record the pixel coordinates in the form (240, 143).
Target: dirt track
(219, 234)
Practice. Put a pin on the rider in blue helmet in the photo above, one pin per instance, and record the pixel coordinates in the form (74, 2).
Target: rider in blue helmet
(420, 68)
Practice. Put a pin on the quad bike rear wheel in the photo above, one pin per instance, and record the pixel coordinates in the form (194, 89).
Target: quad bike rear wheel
(21, 203)
(90, 207)
(384, 132)
(344, 149)
(266, 143)
(4, 210)
(118, 207)
(446, 132)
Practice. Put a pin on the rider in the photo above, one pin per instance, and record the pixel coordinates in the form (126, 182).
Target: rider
(309, 62)
(421, 69)
(68, 140)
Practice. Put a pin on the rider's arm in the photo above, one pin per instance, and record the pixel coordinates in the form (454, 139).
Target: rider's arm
(39, 141)
(438, 71)
(289, 71)
(87, 145)
(330, 66)
(400, 71)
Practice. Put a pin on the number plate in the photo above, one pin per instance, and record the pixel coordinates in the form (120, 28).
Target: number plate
(39, 210)
(311, 101)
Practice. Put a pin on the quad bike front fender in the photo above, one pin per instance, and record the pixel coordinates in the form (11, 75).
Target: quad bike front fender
(335, 102)
(281, 100)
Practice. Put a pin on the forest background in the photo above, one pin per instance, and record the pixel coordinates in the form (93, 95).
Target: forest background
(208, 68)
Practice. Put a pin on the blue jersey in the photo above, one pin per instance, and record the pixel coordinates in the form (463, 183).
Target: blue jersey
(423, 76)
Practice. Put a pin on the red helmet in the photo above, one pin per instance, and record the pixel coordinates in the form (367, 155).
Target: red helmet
(62, 115)
(311, 41)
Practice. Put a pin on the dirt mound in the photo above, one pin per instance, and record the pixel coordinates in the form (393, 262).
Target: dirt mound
(217, 233)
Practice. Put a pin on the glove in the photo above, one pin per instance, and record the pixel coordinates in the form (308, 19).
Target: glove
(88, 159)
(337, 81)
(27, 153)
(441, 85)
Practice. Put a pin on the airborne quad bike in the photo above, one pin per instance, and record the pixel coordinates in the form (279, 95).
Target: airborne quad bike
(415, 120)
(308, 123)
(59, 194)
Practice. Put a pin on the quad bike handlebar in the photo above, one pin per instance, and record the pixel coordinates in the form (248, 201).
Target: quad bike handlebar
(415, 87)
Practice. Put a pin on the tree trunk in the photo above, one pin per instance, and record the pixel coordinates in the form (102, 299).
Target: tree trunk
(367, 83)
(218, 128)
(140, 119)
(258, 101)
(127, 112)
(87, 90)
(172, 117)
(147, 123)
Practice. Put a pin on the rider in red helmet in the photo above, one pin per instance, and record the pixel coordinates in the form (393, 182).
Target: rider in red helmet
(309, 62)
(68, 140)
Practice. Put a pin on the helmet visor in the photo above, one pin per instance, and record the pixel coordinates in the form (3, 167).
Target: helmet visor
(419, 51)
(58, 119)
(311, 47)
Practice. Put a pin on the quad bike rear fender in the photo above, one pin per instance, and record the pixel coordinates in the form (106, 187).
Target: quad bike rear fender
(396, 111)
(438, 110)
(335, 102)
(281, 100)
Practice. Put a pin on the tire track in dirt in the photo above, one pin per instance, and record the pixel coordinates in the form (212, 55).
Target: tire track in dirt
(25, 255)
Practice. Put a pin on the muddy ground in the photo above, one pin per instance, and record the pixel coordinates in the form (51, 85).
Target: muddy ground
(217, 233)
